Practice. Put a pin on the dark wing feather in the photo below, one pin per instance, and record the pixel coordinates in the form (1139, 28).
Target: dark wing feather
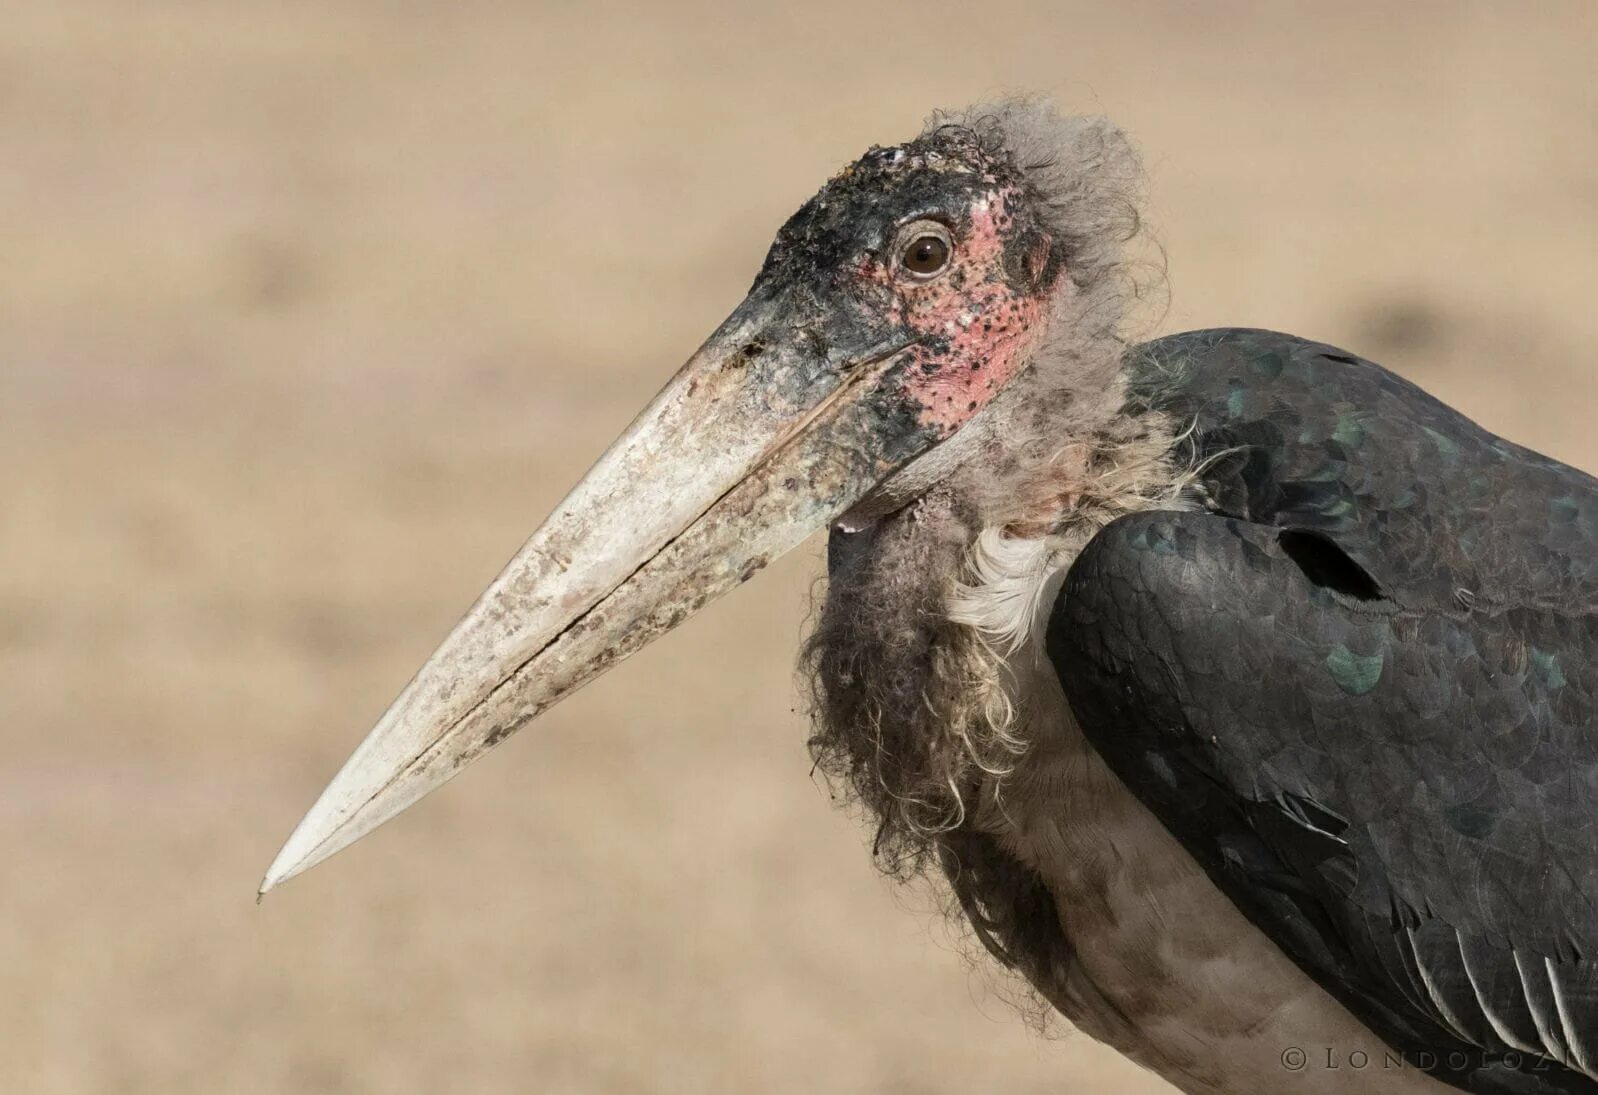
(1297, 434)
(1362, 689)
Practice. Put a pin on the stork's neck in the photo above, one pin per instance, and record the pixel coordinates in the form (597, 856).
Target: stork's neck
(926, 602)
(1064, 450)
(1087, 459)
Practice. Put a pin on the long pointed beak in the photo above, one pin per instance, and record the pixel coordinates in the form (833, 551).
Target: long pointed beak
(767, 434)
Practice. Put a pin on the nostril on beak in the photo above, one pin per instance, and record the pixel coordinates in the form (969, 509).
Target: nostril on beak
(741, 357)
(817, 342)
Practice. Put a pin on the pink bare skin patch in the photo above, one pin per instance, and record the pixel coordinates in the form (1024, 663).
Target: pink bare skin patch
(980, 329)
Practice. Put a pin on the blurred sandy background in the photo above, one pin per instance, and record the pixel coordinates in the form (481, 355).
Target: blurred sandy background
(308, 313)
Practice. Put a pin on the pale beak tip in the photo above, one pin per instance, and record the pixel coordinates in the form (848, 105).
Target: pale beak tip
(293, 858)
(329, 827)
(277, 873)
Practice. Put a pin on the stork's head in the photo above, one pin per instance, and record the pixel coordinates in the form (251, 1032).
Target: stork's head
(934, 249)
(893, 312)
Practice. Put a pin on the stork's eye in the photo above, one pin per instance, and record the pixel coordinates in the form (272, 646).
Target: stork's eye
(926, 255)
(925, 250)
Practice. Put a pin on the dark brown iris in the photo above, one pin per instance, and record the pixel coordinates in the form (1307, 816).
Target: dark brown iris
(926, 255)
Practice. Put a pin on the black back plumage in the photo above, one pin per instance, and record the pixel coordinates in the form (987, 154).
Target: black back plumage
(1360, 684)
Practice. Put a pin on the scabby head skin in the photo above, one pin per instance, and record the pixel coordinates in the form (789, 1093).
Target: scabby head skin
(973, 311)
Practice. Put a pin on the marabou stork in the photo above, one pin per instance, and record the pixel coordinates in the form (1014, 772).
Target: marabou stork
(1243, 693)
